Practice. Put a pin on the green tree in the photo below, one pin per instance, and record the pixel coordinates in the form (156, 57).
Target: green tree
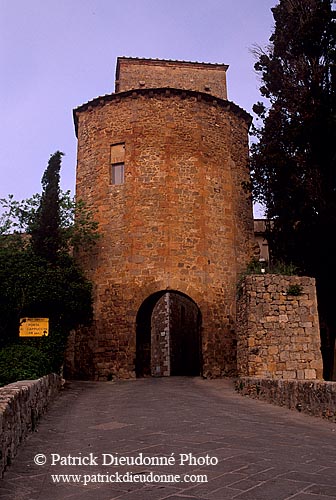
(45, 230)
(78, 229)
(293, 161)
(38, 275)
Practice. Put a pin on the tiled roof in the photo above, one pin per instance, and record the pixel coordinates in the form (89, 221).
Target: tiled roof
(174, 61)
(101, 100)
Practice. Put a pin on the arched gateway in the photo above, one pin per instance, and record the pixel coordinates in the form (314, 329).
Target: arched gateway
(168, 336)
(162, 162)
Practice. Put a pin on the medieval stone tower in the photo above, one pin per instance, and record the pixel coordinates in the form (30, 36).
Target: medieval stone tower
(162, 162)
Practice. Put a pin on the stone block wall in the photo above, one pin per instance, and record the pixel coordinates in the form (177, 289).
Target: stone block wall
(160, 351)
(21, 405)
(136, 73)
(317, 398)
(278, 331)
(78, 354)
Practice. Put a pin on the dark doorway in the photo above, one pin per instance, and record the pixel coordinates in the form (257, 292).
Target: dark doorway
(168, 340)
(143, 335)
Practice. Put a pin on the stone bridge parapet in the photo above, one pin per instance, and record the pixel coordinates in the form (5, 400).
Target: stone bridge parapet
(21, 406)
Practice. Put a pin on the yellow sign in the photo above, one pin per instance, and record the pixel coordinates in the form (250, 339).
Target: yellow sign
(34, 327)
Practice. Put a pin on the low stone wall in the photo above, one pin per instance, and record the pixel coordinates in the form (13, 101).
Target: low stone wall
(278, 328)
(314, 397)
(21, 405)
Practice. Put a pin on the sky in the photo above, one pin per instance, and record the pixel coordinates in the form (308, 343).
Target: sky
(57, 54)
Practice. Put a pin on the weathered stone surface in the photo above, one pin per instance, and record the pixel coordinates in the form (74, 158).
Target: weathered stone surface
(264, 452)
(181, 221)
(21, 405)
(134, 73)
(277, 341)
(315, 397)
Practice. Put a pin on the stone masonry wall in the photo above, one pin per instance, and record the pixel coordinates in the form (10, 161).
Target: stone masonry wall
(21, 405)
(181, 221)
(133, 73)
(178, 221)
(160, 352)
(317, 398)
(278, 331)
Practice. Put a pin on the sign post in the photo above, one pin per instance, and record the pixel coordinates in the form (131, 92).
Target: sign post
(34, 327)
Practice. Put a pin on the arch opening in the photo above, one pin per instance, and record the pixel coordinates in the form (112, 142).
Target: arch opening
(168, 336)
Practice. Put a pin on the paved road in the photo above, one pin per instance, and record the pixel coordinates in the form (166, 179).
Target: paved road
(263, 452)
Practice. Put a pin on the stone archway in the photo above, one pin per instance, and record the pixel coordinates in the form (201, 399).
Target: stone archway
(168, 336)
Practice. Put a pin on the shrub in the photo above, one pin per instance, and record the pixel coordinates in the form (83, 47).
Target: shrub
(22, 362)
(295, 290)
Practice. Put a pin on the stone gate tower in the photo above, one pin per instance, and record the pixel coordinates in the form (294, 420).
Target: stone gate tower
(162, 161)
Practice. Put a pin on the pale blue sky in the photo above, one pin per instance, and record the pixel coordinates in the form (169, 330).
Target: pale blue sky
(57, 54)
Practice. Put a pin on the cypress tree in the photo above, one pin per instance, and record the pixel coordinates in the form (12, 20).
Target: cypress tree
(46, 236)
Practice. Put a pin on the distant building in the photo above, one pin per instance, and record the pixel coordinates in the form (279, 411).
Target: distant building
(259, 232)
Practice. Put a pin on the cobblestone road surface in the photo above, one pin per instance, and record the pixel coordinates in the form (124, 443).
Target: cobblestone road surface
(263, 452)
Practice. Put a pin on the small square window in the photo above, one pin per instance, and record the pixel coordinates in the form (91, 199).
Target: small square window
(117, 173)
